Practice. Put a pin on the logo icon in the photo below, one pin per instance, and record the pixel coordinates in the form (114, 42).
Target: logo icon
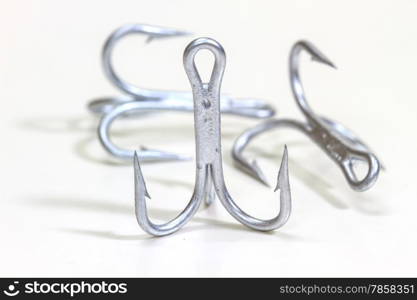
(11, 289)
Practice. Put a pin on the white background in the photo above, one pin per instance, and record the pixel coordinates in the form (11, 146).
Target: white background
(66, 206)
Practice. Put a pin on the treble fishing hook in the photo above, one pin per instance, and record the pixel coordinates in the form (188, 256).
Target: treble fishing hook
(139, 100)
(141, 107)
(333, 138)
(253, 108)
(209, 169)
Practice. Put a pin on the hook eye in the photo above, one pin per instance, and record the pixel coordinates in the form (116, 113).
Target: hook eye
(344, 154)
(218, 69)
(152, 32)
(351, 175)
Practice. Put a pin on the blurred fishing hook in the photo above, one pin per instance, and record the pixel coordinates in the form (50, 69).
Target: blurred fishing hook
(253, 108)
(333, 138)
(139, 101)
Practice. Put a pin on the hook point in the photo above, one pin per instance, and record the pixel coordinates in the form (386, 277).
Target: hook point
(324, 60)
(258, 173)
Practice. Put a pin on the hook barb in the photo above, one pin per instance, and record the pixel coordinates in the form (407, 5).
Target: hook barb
(282, 179)
(255, 170)
(316, 54)
(139, 179)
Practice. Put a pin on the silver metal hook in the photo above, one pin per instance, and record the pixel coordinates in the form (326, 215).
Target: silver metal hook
(151, 32)
(145, 154)
(252, 108)
(141, 101)
(209, 170)
(336, 140)
(143, 107)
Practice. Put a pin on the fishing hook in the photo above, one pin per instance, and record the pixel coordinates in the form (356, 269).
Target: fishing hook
(253, 108)
(209, 169)
(139, 101)
(338, 142)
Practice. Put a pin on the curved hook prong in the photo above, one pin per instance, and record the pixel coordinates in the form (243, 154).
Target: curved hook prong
(141, 210)
(296, 85)
(251, 166)
(151, 32)
(145, 154)
(282, 185)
